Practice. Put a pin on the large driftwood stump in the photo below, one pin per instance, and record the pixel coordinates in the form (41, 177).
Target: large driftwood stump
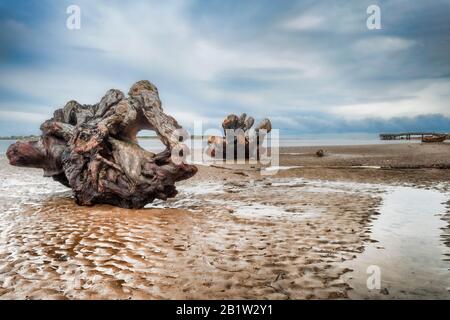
(238, 136)
(93, 149)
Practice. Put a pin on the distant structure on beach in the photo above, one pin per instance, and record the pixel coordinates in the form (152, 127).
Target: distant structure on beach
(409, 135)
(423, 136)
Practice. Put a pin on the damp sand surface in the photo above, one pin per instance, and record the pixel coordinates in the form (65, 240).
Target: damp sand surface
(237, 239)
(230, 233)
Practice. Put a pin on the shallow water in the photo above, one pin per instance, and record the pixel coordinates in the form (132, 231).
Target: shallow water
(155, 145)
(408, 250)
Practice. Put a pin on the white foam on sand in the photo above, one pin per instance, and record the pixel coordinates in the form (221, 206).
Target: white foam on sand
(366, 167)
(202, 188)
(258, 210)
(276, 168)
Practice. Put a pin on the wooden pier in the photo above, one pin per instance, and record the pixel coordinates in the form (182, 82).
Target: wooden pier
(407, 135)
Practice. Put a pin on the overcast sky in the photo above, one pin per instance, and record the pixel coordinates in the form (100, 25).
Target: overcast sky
(310, 66)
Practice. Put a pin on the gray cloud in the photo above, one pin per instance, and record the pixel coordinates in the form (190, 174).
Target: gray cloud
(298, 62)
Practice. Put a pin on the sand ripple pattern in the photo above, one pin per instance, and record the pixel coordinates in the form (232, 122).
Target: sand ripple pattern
(271, 238)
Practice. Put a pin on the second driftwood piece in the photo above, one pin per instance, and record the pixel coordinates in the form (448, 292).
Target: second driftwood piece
(238, 136)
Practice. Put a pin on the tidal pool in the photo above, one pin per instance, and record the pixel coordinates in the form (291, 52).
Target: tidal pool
(407, 249)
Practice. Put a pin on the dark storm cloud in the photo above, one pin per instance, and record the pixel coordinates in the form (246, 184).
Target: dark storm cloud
(312, 66)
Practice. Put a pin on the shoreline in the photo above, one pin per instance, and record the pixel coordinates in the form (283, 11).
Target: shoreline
(229, 233)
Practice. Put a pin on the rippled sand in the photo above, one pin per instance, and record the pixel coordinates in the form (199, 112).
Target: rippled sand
(226, 235)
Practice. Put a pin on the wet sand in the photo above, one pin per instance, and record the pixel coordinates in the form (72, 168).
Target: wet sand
(303, 233)
(401, 155)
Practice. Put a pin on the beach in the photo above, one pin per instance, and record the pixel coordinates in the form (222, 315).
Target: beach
(308, 228)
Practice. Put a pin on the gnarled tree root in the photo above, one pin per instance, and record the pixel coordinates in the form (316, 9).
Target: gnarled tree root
(238, 139)
(93, 149)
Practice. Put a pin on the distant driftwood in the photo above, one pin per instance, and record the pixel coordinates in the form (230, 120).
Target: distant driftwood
(93, 149)
(240, 138)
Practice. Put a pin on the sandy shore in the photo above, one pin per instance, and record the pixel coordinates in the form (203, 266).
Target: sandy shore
(230, 233)
(402, 155)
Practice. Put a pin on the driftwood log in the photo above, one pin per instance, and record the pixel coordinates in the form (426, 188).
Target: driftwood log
(238, 136)
(93, 149)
